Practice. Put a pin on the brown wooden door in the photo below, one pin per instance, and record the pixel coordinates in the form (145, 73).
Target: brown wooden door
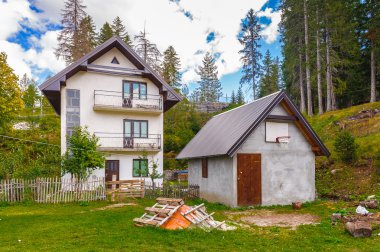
(112, 168)
(249, 179)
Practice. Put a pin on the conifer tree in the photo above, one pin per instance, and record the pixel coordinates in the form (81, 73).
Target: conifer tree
(240, 96)
(209, 85)
(84, 39)
(233, 97)
(171, 68)
(105, 33)
(269, 81)
(72, 15)
(249, 37)
(119, 29)
(148, 51)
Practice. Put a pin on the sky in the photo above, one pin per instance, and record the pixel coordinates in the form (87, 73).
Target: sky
(29, 29)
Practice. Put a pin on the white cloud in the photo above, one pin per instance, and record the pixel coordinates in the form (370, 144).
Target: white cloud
(165, 22)
(270, 32)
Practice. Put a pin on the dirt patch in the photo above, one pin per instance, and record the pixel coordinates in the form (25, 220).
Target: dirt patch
(264, 218)
(115, 206)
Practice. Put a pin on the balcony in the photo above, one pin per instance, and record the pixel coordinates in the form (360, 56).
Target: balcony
(115, 101)
(120, 142)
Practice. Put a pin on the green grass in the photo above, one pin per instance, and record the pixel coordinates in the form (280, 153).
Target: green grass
(79, 228)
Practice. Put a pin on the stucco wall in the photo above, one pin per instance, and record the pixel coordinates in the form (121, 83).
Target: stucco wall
(288, 174)
(219, 186)
(108, 121)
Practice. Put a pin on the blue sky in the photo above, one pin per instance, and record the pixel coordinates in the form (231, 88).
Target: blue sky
(30, 27)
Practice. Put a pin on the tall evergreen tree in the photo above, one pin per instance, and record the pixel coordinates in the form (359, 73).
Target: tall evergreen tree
(307, 62)
(233, 97)
(119, 29)
(171, 66)
(148, 51)
(105, 33)
(249, 38)
(84, 39)
(72, 15)
(240, 96)
(209, 85)
(269, 80)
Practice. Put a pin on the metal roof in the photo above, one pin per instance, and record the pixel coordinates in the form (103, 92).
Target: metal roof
(225, 133)
(51, 87)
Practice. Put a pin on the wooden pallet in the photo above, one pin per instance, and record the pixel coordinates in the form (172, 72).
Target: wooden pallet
(198, 216)
(159, 213)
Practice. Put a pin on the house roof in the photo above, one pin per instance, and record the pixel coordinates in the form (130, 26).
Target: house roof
(51, 87)
(225, 133)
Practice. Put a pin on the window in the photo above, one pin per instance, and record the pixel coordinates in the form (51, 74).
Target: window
(140, 168)
(136, 90)
(204, 168)
(136, 128)
(115, 61)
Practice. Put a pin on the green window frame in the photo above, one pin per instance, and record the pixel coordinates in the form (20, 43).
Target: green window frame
(140, 168)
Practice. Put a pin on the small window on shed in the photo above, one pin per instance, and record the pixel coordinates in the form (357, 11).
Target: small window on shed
(204, 168)
(115, 61)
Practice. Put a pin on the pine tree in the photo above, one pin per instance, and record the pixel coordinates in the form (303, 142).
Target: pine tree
(105, 33)
(148, 51)
(209, 85)
(307, 62)
(10, 94)
(72, 15)
(233, 97)
(171, 68)
(240, 96)
(119, 29)
(249, 37)
(84, 39)
(269, 81)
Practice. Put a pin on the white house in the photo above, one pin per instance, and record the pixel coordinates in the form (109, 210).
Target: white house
(113, 92)
(261, 153)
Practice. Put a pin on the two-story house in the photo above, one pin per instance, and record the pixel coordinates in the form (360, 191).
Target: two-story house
(113, 92)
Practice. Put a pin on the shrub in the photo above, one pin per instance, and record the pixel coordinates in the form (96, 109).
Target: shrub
(345, 147)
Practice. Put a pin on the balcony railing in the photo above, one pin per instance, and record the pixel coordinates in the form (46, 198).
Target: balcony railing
(120, 141)
(112, 99)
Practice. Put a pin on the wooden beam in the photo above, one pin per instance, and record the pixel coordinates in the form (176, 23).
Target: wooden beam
(282, 117)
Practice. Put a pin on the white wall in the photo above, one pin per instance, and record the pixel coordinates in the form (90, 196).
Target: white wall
(106, 121)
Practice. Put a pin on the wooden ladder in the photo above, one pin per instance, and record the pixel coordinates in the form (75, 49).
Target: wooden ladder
(199, 217)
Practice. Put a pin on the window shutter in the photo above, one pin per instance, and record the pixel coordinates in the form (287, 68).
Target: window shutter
(204, 168)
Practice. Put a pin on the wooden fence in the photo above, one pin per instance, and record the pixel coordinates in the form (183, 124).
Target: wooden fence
(171, 190)
(52, 190)
(126, 188)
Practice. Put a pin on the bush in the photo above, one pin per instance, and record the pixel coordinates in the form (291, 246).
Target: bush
(345, 147)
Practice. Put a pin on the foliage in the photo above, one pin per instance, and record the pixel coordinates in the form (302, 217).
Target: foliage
(345, 147)
(171, 68)
(10, 94)
(119, 29)
(249, 37)
(82, 156)
(72, 15)
(210, 89)
(105, 33)
(153, 172)
(84, 38)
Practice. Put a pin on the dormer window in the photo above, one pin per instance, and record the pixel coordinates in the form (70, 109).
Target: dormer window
(115, 61)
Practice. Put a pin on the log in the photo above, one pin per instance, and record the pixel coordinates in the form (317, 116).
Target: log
(359, 229)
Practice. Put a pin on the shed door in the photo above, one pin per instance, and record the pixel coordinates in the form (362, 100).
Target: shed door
(112, 168)
(249, 179)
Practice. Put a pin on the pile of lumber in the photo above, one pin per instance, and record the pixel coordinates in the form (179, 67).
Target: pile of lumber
(170, 213)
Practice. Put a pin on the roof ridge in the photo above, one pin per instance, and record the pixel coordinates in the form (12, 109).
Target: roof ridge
(249, 103)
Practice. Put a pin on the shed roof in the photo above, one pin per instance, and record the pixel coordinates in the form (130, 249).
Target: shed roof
(51, 87)
(225, 133)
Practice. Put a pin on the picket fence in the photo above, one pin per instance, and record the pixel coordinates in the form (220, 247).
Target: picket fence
(52, 190)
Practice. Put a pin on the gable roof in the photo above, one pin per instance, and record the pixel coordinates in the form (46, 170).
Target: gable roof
(225, 133)
(51, 87)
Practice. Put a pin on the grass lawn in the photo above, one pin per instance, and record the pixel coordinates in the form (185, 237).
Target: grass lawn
(35, 227)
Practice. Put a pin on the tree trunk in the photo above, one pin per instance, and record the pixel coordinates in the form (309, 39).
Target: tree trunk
(308, 84)
(373, 75)
(302, 94)
(328, 72)
(319, 84)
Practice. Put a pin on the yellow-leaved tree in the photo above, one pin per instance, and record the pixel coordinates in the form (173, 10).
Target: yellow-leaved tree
(10, 93)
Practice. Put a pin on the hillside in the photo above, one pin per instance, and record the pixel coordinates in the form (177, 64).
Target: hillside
(338, 180)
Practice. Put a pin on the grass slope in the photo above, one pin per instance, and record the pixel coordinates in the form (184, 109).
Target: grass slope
(354, 180)
(79, 228)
